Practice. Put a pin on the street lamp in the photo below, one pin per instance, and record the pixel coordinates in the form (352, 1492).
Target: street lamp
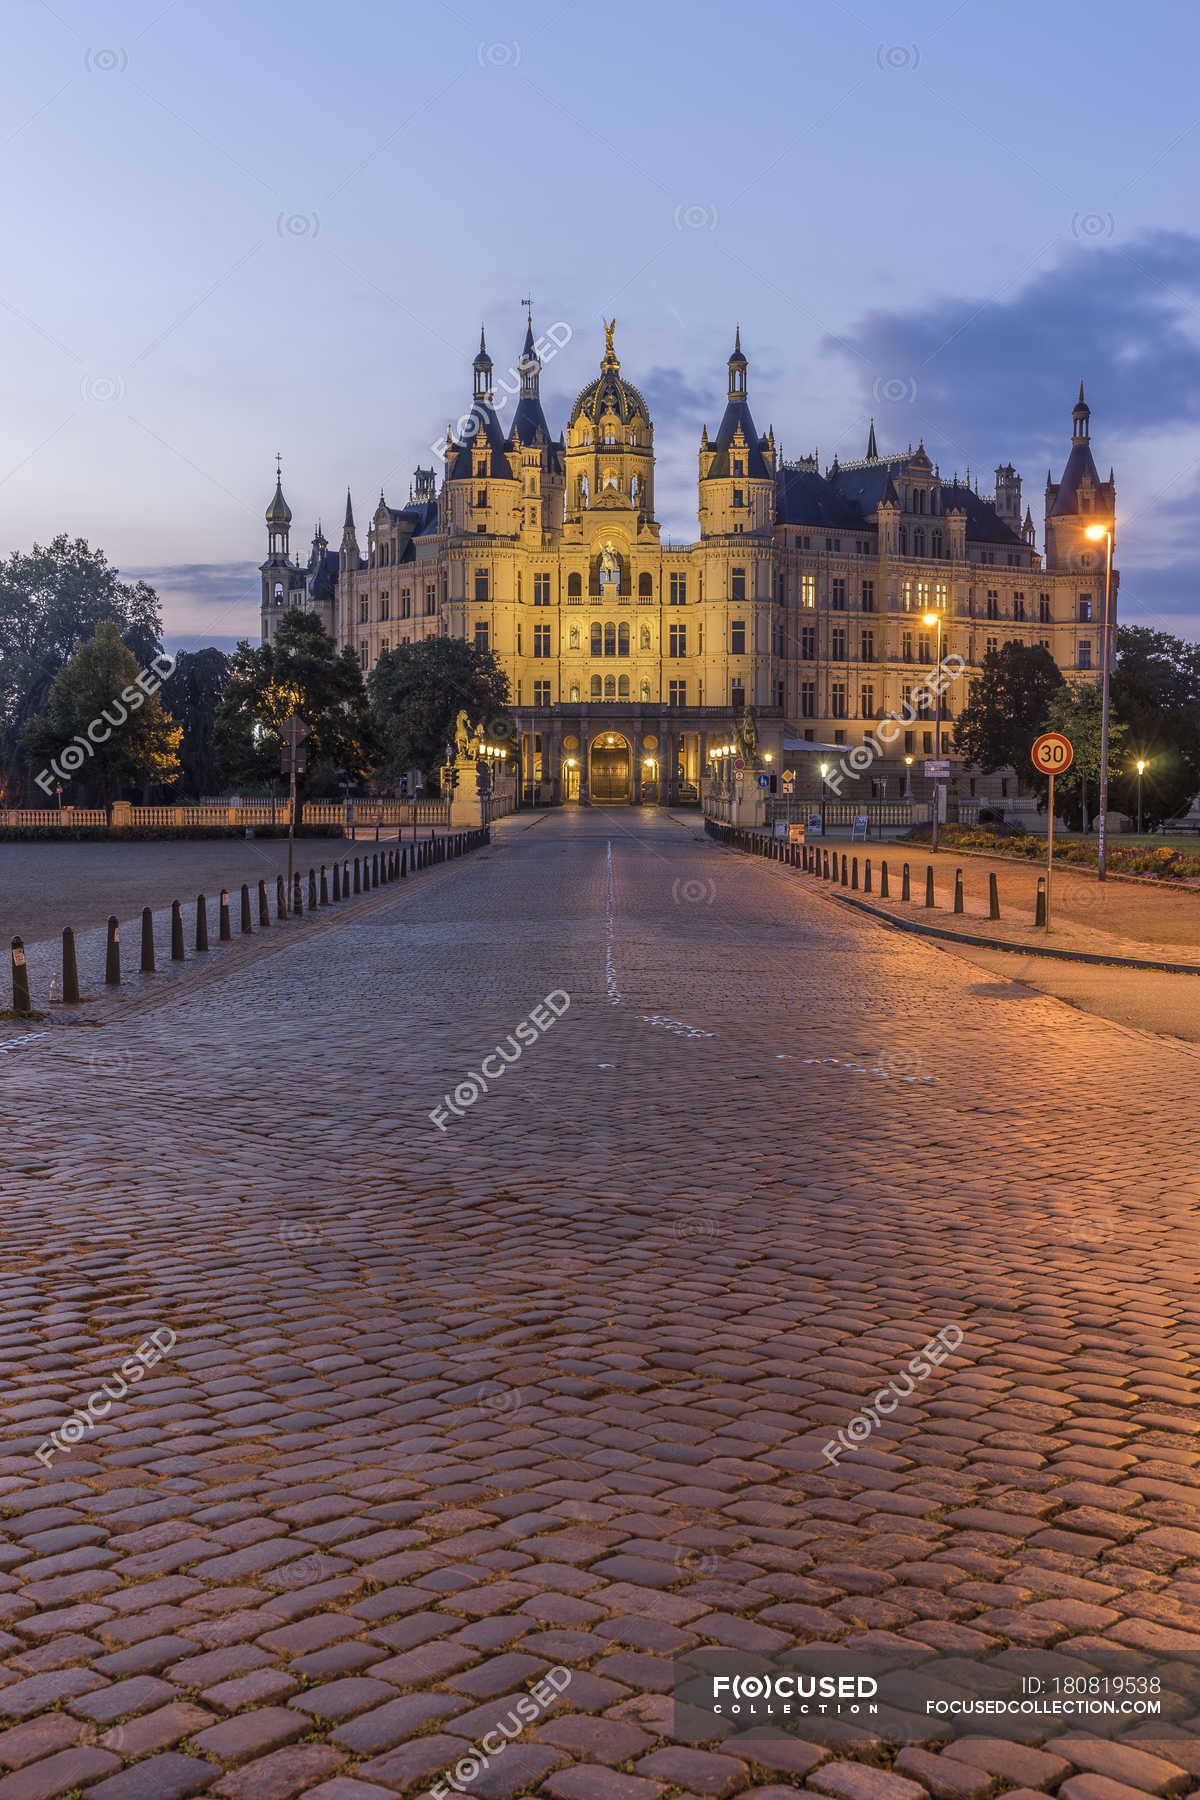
(1141, 769)
(1096, 532)
(824, 773)
(930, 618)
(908, 793)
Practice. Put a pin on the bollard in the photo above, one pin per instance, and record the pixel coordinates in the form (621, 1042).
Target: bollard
(312, 890)
(867, 875)
(264, 911)
(854, 873)
(246, 926)
(147, 941)
(224, 929)
(337, 881)
(824, 873)
(993, 898)
(883, 882)
(324, 886)
(112, 954)
(201, 923)
(843, 870)
(958, 890)
(929, 884)
(404, 865)
(297, 896)
(375, 870)
(1039, 911)
(905, 885)
(346, 879)
(70, 969)
(20, 978)
(280, 898)
(176, 931)
(357, 877)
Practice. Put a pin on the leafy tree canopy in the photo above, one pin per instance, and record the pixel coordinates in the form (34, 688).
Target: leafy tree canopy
(1156, 691)
(417, 692)
(1075, 710)
(1006, 708)
(193, 692)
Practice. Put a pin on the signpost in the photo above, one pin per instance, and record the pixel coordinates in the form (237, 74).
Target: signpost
(858, 830)
(937, 771)
(796, 833)
(292, 762)
(1052, 755)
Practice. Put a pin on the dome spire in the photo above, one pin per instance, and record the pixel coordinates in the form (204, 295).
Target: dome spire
(279, 515)
(872, 447)
(1080, 419)
(611, 359)
(737, 368)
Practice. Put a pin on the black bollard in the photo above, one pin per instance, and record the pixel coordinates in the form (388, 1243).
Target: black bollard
(883, 882)
(346, 879)
(224, 928)
(264, 911)
(297, 896)
(854, 873)
(843, 870)
(357, 881)
(404, 865)
(112, 954)
(1039, 911)
(22, 1005)
(375, 870)
(324, 886)
(312, 890)
(70, 969)
(929, 884)
(337, 881)
(905, 885)
(867, 876)
(993, 898)
(176, 931)
(958, 890)
(147, 941)
(280, 898)
(246, 926)
(201, 923)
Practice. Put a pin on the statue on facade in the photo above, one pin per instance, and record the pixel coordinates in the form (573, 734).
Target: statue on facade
(747, 740)
(610, 567)
(465, 740)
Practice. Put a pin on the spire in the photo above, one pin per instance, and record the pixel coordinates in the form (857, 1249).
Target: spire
(737, 368)
(1080, 417)
(279, 512)
(872, 447)
(482, 366)
(529, 366)
(349, 522)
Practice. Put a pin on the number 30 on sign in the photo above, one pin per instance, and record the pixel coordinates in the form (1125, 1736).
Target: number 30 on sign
(1052, 753)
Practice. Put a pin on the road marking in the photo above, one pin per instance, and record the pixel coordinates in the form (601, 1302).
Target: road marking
(861, 1068)
(610, 965)
(675, 1025)
(19, 1043)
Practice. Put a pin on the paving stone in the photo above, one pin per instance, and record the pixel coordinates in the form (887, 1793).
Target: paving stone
(249, 1734)
(281, 1776)
(67, 1770)
(156, 1730)
(856, 1781)
(171, 1776)
(1122, 1763)
(42, 1736)
(698, 1770)
(584, 1783)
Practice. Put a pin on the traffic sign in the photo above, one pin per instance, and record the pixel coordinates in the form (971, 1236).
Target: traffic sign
(1052, 753)
(739, 763)
(764, 781)
(295, 727)
(937, 771)
(789, 774)
(786, 786)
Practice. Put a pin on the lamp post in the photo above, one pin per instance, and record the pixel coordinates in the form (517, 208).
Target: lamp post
(1141, 769)
(930, 618)
(908, 793)
(824, 773)
(1096, 532)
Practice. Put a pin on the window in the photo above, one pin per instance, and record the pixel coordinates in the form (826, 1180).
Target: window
(737, 693)
(909, 741)
(1018, 606)
(279, 590)
(574, 587)
(922, 596)
(481, 587)
(677, 641)
(738, 497)
(739, 465)
(919, 538)
(385, 607)
(623, 639)
(597, 638)
(541, 590)
(610, 687)
(364, 654)
(906, 646)
(645, 585)
(868, 646)
(1085, 609)
(991, 646)
(541, 693)
(993, 603)
(406, 603)
(868, 596)
(837, 643)
(906, 594)
(1085, 655)
(518, 637)
(867, 701)
(927, 742)
(678, 590)
(941, 595)
(808, 699)
(622, 687)
(737, 584)
(808, 590)
(482, 641)
(541, 640)
(808, 643)
(481, 496)
(1044, 609)
(430, 599)
(923, 651)
(935, 544)
(597, 687)
(364, 610)
(837, 593)
(610, 639)
(837, 700)
(677, 693)
(737, 637)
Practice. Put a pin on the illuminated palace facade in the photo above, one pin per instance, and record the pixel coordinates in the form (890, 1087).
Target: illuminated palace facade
(630, 658)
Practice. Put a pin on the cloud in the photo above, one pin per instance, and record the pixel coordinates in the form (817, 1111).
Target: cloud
(203, 599)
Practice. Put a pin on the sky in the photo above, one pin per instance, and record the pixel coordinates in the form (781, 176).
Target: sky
(236, 229)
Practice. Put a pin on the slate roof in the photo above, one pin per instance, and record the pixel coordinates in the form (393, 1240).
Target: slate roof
(737, 414)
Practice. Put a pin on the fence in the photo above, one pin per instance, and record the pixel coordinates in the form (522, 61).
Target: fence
(257, 812)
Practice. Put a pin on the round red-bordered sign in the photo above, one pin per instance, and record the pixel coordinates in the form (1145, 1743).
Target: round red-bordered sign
(1052, 753)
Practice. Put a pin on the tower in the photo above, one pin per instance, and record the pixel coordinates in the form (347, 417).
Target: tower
(279, 518)
(737, 468)
(1008, 496)
(283, 584)
(1078, 501)
(534, 453)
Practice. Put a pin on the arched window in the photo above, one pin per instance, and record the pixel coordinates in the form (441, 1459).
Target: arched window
(574, 587)
(279, 590)
(595, 687)
(645, 585)
(574, 691)
(919, 540)
(634, 487)
(623, 688)
(645, 690)
(623, 639)
(610, 687)
(597, 638)
(610, 639)
(573, 638)
(645, 638)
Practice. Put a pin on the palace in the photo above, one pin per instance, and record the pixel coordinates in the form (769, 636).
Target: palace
(806, 594)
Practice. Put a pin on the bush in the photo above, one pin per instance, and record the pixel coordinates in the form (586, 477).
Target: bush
(1011, 840)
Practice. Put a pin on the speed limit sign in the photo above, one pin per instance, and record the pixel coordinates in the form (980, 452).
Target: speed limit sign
(1052, 753)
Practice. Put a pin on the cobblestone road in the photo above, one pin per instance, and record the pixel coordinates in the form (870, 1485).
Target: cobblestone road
(548, 1388)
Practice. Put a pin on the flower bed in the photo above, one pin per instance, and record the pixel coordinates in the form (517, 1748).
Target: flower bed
(1133, 859)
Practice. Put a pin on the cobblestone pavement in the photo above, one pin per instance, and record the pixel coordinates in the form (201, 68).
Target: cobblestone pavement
(547, 1389)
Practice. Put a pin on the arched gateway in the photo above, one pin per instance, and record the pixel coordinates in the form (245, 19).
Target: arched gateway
(610, 769)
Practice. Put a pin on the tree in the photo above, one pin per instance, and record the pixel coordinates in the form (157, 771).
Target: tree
(417, 692)
(1156, 691)
(52, 598)
(104, 727)
(193, 692)
(1075, 711)
(302, 671)
(1006, 708)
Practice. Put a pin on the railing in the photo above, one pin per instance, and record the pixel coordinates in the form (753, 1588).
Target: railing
(271, 812)
(793, 810)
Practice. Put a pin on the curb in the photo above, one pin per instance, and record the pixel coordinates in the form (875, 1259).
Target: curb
(981, 943)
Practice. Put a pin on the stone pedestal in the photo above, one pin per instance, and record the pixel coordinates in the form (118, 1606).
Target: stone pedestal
(749, 808)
